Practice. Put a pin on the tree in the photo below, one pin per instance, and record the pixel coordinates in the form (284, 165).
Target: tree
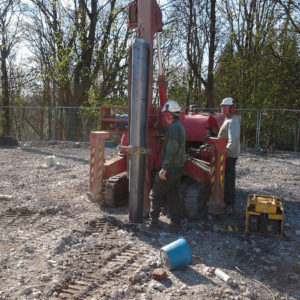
(292, 9)
(80, 43)
(250, 25)
(211, 55)
(9, 19)
(198, 31)
(259, 66)
(79, 48)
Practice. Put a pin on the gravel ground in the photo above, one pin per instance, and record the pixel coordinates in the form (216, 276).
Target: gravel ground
(55, 244)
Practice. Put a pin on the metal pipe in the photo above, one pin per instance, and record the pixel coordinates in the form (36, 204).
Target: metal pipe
(138, 129)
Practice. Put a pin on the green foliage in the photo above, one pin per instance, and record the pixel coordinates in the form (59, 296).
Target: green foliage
(265, 78)
(265, 74)
(96, 98)
(279, 129)
(18, 100)
(177, 92)
(89, 112)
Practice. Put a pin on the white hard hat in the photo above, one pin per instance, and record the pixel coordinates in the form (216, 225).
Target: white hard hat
(228, 101)
(171, 106)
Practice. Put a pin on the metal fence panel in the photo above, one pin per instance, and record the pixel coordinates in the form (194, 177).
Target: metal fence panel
(249, 127)
(74, 123)
(29, 123)
(280, 129)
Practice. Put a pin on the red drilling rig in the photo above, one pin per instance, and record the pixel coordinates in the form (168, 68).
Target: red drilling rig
(130, 174)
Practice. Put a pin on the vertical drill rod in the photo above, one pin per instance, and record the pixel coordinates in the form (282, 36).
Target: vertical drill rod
(138, 128)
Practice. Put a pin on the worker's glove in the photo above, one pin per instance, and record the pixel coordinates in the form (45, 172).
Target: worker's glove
(163, 174)
(153, 124)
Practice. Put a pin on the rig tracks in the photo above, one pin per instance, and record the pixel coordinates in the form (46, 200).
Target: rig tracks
(16, 217)
(22, 224)
(113, 260)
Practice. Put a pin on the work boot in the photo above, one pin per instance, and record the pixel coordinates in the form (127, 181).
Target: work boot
(154, 223)
(229, 210)
(174, 227)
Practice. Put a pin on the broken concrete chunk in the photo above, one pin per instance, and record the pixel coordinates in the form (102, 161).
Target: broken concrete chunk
(46, 277)
(50, 161)
(27, 291)
(248, 294)
(5, 197)
(52, 262)
(157, 286)
(159, 274)
(209, 271)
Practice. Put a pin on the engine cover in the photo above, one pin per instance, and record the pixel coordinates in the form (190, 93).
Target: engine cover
(264, 215)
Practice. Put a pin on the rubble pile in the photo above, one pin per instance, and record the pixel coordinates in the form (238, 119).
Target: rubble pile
(56, 244)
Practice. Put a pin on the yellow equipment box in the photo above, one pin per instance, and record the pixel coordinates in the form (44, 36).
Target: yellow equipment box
(264, 214)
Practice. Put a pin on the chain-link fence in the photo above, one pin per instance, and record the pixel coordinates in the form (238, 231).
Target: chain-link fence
(74, 123)
(279, 129)
(276, 129)
(28, 123)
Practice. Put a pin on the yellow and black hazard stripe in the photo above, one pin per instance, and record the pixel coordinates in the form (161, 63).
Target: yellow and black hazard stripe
(221, 170)
(100, 163)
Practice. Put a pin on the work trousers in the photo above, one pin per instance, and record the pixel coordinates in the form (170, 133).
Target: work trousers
(169, 190)
(229, 188)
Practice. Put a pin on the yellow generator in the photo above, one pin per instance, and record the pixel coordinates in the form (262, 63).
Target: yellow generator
(264, 214)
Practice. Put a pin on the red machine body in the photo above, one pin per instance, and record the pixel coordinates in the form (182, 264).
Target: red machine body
(205, 162)
(197, 125)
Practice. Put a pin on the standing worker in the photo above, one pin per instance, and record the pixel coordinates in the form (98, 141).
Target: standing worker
(230, 130)
(167, 181)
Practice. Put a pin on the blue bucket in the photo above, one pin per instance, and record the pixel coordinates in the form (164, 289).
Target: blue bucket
(176, 254)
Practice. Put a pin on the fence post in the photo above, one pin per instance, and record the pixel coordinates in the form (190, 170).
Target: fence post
(258, 122)
(53, 124)
(21, 125)
(297, 136)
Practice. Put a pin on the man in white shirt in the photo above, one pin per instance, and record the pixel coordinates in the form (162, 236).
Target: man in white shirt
(230, 130)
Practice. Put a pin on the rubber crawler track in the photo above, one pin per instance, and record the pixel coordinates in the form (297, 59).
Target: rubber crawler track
(100, 264)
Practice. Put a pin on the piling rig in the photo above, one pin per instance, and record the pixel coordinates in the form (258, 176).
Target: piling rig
(127, 178)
